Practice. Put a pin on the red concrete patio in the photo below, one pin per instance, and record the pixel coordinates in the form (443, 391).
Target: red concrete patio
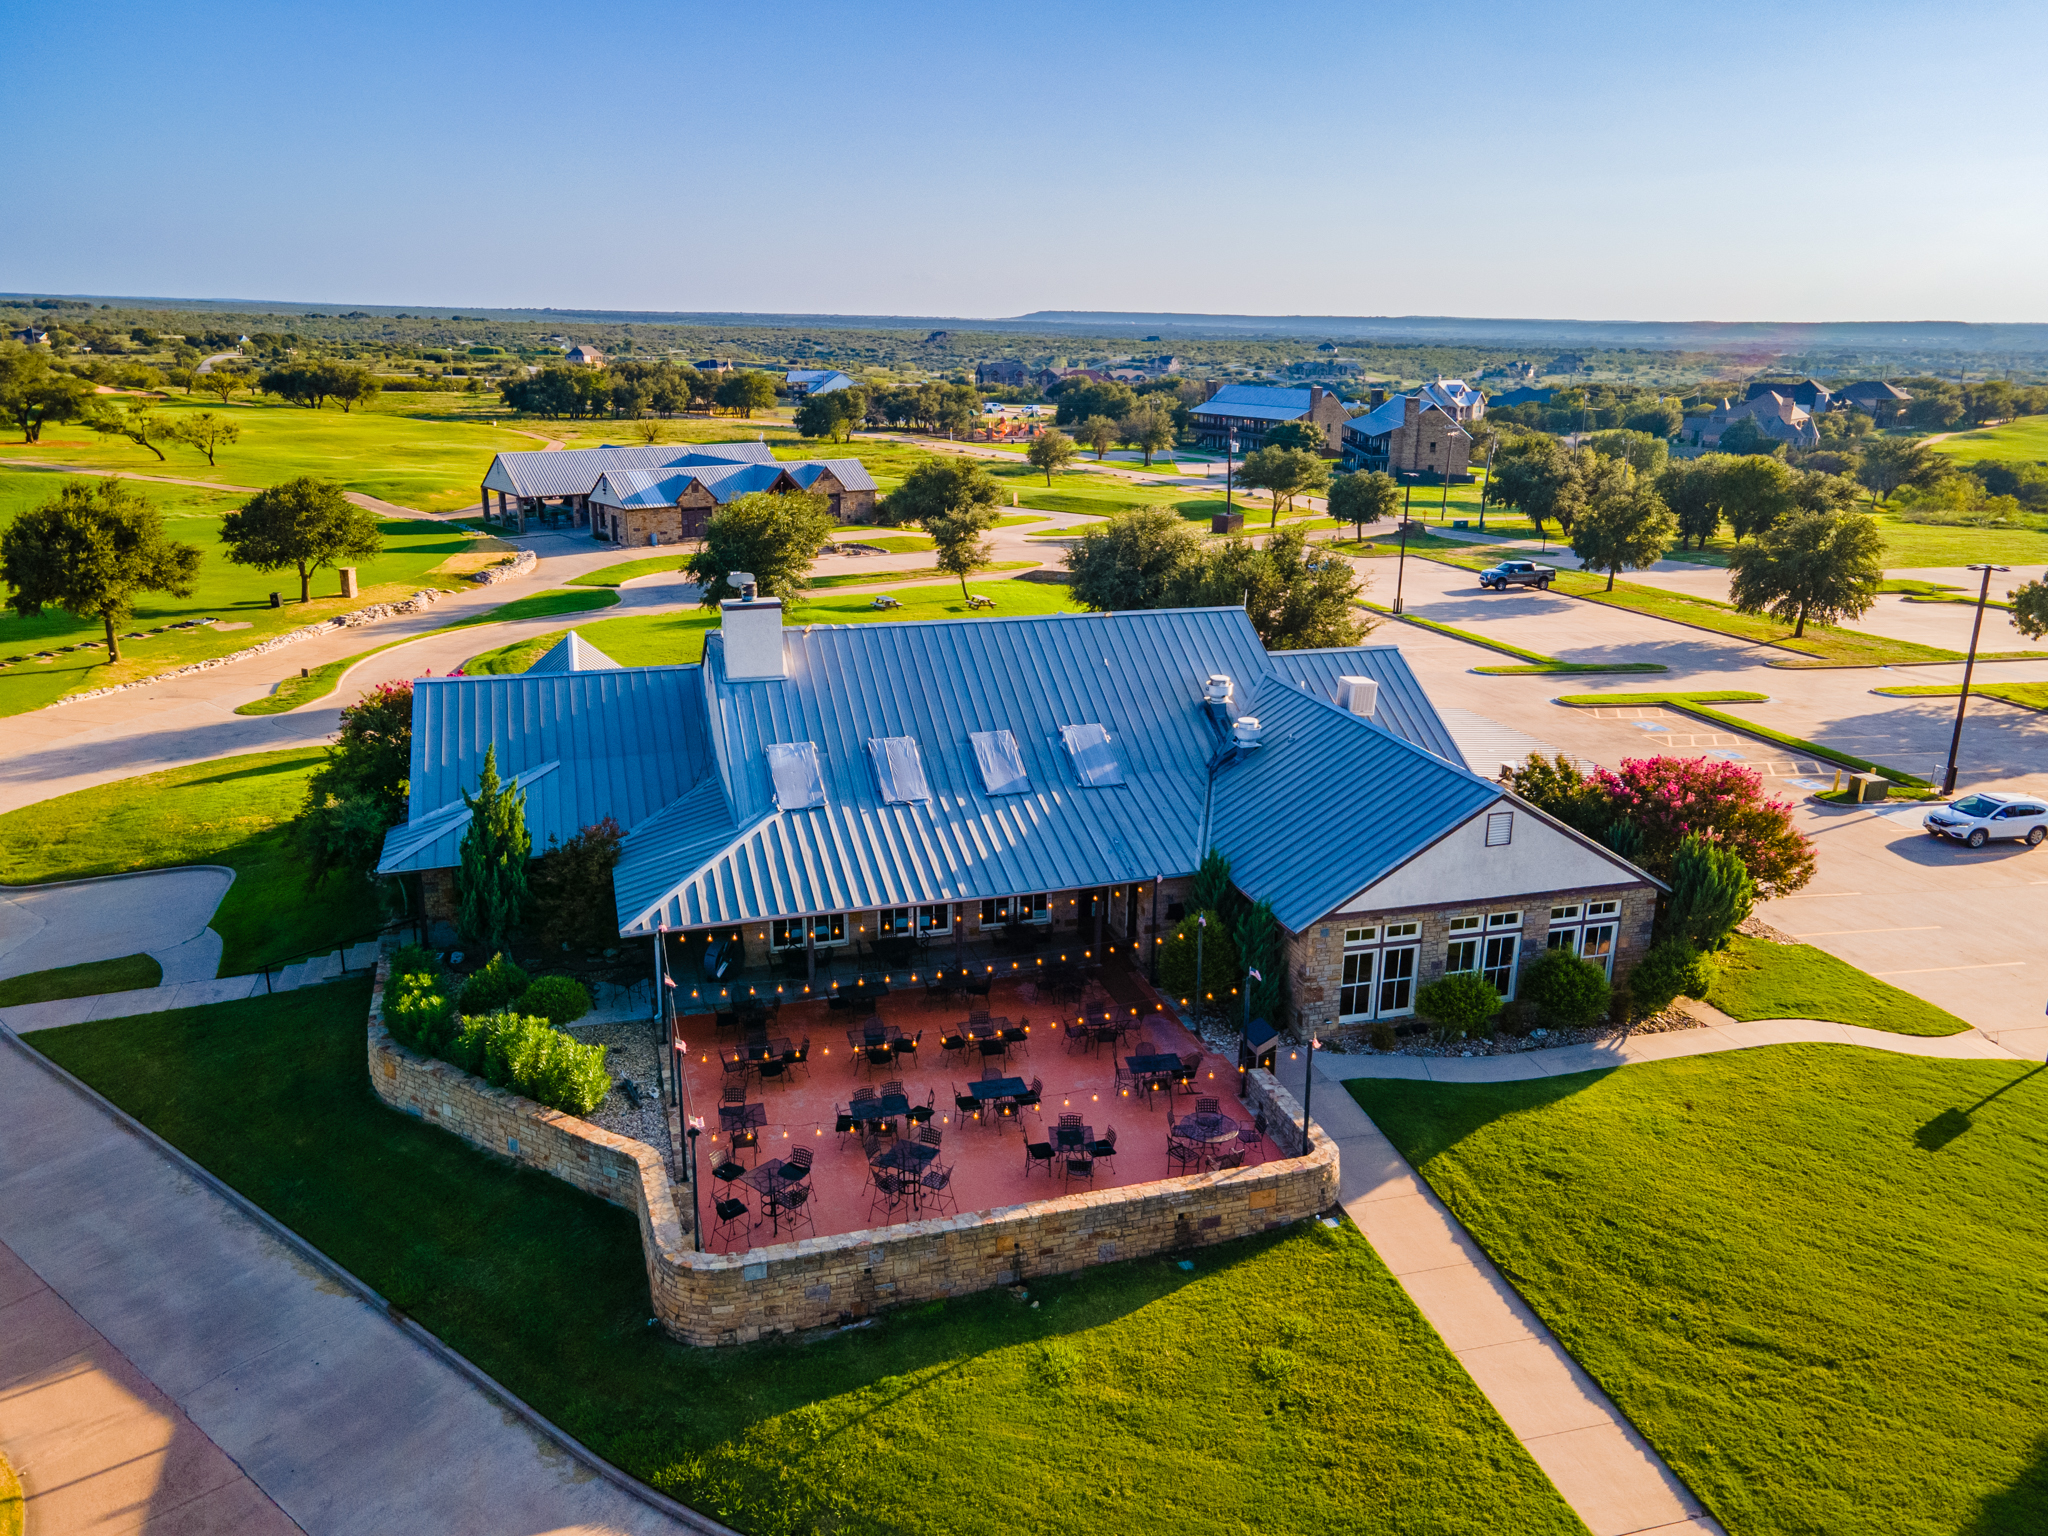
(987, 1153)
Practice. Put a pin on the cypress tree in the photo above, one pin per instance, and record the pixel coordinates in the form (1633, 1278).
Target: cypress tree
(1711, 892)
(491, 883)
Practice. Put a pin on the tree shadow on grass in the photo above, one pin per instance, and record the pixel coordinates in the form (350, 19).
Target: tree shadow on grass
(2016, 1510)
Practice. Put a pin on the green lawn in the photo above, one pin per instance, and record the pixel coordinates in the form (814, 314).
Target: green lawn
(626, 570)
(1282, 1384)
(1756, 979)
(130, 973)
(1809, 1274)
(231, 811)
(400, 448)
(2025, 695)
(673, 639)
(233, 594)
(891, 543)
(1698, 704)
(2023, 440)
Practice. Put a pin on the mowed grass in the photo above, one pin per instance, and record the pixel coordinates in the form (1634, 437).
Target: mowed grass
(2020, 441)
(1281, 1384)
(398, 448)
(677, 639)
(1809, 1274)
(231, 811)
(1756, 979)
(234, 594)
(2024, 695)
(128, 974)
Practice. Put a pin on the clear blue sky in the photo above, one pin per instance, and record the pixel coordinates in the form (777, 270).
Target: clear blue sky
(1599, 161)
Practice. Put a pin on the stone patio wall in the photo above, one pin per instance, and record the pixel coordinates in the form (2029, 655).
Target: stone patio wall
(713, 1298)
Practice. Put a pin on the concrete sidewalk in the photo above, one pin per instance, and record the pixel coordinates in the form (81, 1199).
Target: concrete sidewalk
(337, 1414)
(1595, 1458)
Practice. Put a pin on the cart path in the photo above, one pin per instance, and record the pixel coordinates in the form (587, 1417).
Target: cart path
(290, 1378)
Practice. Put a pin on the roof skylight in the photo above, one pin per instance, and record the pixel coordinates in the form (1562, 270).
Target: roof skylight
(1002, 765)
(899, 769)
(1094, 755)
(794, 767)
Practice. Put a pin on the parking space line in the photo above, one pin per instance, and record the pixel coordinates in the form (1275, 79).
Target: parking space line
(1997, 965)
(1836, 933)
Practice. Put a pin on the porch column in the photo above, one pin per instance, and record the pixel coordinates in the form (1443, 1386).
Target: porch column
(484, 495)
(810, 953)
(1101, 914)
(522, 514)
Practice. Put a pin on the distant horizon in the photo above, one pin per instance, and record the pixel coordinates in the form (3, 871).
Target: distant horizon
(1503, 330)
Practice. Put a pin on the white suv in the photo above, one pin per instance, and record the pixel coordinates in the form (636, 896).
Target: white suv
(1976, 819)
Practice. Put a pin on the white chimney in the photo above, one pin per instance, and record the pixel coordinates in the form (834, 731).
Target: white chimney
(1360, 695)
(752, 627)
(1244, 735)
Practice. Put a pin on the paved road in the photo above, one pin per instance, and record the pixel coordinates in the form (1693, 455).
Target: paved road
(236, 1354)
(161, 912)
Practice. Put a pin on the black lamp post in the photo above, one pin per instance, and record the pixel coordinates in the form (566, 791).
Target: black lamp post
(1401, 562)
(696, 1215)
(1955, 741)
(1308, 1086)
(1229, 471)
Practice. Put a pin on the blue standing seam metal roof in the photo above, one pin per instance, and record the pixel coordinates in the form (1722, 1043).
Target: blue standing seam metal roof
(576, 471)
(1402, 707)
(819, 381)
(1138, 674)
(572, 654)
(663, 487)
(1378, 800)
(1250, 399)
(627, 741)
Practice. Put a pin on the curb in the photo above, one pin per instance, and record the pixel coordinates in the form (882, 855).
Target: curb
(685, 1516)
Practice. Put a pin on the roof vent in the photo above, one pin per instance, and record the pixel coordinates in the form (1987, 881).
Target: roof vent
(743, 583)
(1246, 734)
(1360, 695)
(1218, 689)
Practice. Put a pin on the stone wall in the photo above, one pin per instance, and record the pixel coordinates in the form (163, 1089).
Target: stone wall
(1429, 442)
(710, 1298)
(1315, 957)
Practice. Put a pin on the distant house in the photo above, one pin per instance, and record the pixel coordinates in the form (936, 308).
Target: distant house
(1808, 394)
(1409, 435)
(1251, 411)
(588, 357)
(1776, 416)
(712, 365)
(1168, 364)
(1883, 401)
(1456, 399)
(662, 493)
(31, 336)
(999, 373)
(1526, 395)
(801, 382)
(1565, 362)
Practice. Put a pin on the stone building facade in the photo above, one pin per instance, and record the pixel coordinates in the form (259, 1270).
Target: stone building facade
(1408, 435)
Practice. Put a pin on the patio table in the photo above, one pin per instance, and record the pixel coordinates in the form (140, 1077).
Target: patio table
(909, 1158)
(889, 1106)
(1073, 1138)
(997, 1088)
(764, 1050)
(1210, 1132)
(768, 1180)
(742, 1117)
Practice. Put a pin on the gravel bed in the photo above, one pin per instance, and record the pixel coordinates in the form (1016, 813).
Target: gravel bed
(630, 1055)
(1356, 1042)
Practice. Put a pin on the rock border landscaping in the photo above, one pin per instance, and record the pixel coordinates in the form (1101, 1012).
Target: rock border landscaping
(419, 602)
(716, 1298)
(517, 566)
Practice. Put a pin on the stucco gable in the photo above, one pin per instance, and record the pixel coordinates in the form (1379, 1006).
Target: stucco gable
(1539, 856)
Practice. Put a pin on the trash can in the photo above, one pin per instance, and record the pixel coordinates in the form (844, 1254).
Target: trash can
(1226, 522)
(348, 580)
(276, 600)
(1869, 786)
(1261, 1044)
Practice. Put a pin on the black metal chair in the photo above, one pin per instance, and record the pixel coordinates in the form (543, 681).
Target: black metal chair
(797, 1166)
(845, 1125)
(748, 1140)
(800, 1057)
(1078, 1034)
(1181, 1154)
(1033, 1096)
(953, 1042)
(1036, 1153)
(1103, 1148)
(793, 1205)
(1082, 1169)
(1252, 1138)
(907, 1045)
(921, 1114)
(729, 1172)
(732, 1212)
(930, 1135)
(1206, 1106)
(938, 1188)
(774, 1071)
(887, 1194)
(966, 1103)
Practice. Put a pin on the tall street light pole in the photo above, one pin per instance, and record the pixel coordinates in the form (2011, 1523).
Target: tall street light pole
(1955, 742)
(1229, 472)
(1401, 561)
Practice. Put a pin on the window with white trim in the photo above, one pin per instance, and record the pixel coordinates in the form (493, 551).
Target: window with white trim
(827, 928)
(1462, 953)
(1379, 972)
(1500, 956)
(906, 921)
(1016, 909)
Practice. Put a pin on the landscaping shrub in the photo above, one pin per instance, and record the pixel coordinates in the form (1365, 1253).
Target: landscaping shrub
(1566, 990)
(419, 1013)
(532, 1058)
(1383, 1036)
(570, 889)
(413, 959)
(1670, 970)
(1458, 1005)
(492, 987)
(558, 999)
(1711, 893)
(1513, 1019)
(1219, 960)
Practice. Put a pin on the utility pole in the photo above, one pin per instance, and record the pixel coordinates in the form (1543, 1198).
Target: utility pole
(1955, 742)
(1229, 470)
(1401, 561)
